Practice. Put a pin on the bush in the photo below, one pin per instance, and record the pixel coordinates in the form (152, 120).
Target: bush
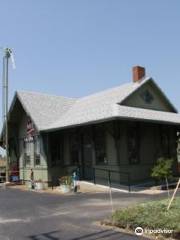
(163, 169)
(65, 180)
(152, 215)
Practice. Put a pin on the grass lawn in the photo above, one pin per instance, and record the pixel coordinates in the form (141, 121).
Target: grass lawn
(152, 215)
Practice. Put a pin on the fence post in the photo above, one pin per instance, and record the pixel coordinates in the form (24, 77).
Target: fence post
(94, 175)
(110, 190)
(129, 182)
(109, 178)
(119, 179)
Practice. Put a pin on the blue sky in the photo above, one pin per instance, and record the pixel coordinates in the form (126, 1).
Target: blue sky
(77, 47)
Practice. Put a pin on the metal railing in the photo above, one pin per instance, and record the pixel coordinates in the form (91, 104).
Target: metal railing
(109, 174)
(13, 176)
(2, 179)
(106, 176)
(52, 183)
(123, 179)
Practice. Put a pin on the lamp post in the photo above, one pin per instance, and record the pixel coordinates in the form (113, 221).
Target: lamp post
(7, 55)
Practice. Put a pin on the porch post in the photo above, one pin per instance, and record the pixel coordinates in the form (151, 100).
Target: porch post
(93, 146)
(46, 147)
(117, 135)
(82, 152)
(178, 150)
(114, 131)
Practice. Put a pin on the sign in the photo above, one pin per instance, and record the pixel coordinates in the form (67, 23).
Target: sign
(30, 128)
(28, 139)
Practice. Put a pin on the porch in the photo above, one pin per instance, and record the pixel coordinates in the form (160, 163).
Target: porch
(119, 152)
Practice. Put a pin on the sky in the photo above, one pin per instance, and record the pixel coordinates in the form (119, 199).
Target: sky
(78, 47)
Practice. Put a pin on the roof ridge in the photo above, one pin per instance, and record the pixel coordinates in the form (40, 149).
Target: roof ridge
(90, 95)
(46, 94)
(113, 88)
(137, 84)
(104, 91)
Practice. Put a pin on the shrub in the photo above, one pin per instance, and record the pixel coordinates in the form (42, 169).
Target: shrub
(163, 169)
(66, 180)
(151, 215)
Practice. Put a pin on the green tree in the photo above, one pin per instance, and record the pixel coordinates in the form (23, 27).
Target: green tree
(163, 170)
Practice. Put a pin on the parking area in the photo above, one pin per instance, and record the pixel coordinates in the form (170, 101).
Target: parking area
(42, 216)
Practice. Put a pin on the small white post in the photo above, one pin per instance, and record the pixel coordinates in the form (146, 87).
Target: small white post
(111, 200)
(110, 191)
(177, 186)
(167, 186)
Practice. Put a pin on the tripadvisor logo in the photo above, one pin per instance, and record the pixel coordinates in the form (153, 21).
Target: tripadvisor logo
(139, 231)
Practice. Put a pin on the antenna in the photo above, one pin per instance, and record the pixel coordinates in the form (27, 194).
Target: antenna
(7, 54)
(12, 60)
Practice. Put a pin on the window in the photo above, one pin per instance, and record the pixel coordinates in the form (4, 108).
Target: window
(147, 96)
(133, 143)
(100, 146)
(165, 141)
(57, 146)
(27, 151)
(37, 158)
(74, 148)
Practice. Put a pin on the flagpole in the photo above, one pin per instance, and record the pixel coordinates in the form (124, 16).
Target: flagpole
(6, 57)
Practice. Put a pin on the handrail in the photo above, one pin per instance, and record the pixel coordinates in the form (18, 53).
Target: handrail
(109, 171)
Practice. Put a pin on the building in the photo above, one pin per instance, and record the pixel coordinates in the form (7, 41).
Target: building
(120, 132)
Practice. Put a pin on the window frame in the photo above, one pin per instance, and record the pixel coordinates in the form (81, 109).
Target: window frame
(100, 145)
(37, 150)
(57, 149)
(27, 144)
(74, 146)
(133, 143)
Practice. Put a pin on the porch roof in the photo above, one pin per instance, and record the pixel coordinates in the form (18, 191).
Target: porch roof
(55, 112)
(115, 111)
(107, 105)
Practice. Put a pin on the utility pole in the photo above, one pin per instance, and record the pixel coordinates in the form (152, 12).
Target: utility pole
(7, 55)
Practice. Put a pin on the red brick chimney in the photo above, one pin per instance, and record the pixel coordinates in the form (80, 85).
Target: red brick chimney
(138, 73)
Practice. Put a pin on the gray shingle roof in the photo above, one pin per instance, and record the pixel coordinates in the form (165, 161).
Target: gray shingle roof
(44, 109)
(53, 112)
(146, 114)
(113, 111)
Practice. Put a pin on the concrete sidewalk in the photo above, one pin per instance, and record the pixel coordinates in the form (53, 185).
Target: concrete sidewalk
(88, 187)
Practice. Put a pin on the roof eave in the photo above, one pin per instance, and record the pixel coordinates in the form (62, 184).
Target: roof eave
(111, 119)
(27, 112)
(164, 95)
(150, 79)
(17, 96)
